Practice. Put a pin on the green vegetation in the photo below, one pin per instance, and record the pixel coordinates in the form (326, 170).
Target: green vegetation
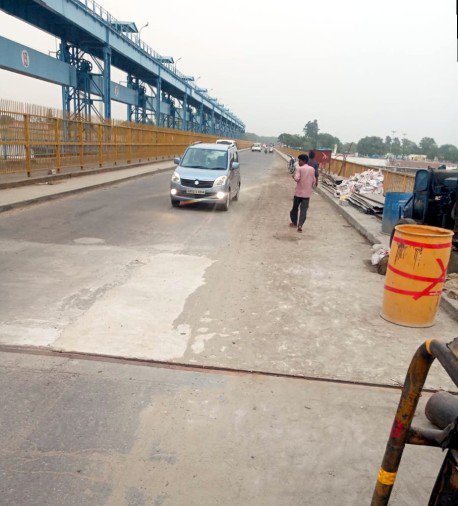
(263, 139)
(374, 146)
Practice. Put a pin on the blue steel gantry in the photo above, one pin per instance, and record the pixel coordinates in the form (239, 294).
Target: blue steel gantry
(91, 42)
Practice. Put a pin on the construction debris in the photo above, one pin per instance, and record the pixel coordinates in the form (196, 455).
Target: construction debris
(369, 205)
(379, 252)
(380, 257)
(451, 286)
(364, 191)
(369, 181)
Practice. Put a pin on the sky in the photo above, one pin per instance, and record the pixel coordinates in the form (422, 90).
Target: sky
(359, 67)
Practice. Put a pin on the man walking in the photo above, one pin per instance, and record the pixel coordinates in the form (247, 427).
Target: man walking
(313, 163)
(305, 182)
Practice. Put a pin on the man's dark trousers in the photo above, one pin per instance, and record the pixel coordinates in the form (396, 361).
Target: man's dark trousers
(303, 204)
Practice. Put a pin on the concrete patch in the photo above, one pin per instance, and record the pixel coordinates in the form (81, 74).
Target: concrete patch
(136, 318)
(88, 240)
(29, 332)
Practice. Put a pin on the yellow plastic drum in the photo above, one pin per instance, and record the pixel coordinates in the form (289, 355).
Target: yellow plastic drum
(416, 273)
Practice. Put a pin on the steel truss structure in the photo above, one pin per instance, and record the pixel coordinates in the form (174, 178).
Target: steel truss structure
(92, 41)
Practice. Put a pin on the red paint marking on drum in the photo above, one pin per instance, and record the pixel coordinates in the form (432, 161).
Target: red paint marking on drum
(415, 244)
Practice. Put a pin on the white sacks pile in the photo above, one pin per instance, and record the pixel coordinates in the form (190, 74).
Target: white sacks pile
(369, 181)
(378, 253)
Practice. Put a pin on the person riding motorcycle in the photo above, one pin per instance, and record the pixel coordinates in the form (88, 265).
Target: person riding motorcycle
(291, 164)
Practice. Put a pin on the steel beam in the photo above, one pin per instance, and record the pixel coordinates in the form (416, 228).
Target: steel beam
(92, 29)
(29, 62)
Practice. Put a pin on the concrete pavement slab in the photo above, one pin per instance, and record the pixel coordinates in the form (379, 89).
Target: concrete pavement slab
(119, 434)
(119, 271)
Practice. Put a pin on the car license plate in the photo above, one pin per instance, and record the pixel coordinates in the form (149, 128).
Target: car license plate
(195, 191)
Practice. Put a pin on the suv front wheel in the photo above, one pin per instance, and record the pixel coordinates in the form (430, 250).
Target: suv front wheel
(227, 202)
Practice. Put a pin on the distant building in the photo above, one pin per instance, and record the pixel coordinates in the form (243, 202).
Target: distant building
(417, 158)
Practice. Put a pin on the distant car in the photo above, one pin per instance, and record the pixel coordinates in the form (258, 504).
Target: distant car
(256, 147)
(207, 173)
(227, 142)
(271, 149)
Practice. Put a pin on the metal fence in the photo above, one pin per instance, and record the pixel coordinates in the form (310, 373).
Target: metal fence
(34, 139)
(394, 180)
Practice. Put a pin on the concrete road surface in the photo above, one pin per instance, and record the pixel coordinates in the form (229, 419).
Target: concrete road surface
(79, 433)
(120, 272)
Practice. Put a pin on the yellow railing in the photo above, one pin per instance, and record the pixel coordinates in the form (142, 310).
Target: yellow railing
(393, 181)
(31, 143)
(397, 181)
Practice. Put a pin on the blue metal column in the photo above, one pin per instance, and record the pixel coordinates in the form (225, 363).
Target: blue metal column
(65, 89)
(201, 126)
(142, 97)
(158, 102)
(107, 81)
(191, 119)
(213, 121)
(173, 113)
(184, 126)
(130, 84)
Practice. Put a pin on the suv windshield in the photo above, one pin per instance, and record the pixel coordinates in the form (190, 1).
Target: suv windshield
(212, 159)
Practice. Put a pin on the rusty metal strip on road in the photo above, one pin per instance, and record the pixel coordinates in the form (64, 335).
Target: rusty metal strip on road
(181, 366)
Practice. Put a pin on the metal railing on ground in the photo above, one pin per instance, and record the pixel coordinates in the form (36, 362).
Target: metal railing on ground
(35, 139)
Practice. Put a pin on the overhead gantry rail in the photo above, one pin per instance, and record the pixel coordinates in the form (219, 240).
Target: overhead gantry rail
(92, 41)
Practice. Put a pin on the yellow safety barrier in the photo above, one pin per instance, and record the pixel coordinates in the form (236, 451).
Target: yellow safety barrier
(416, 273)
(34, 140)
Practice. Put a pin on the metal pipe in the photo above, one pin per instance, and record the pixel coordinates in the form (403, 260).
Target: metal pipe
(413, 384)
(442, 409)
(401, 432)
(446, 355)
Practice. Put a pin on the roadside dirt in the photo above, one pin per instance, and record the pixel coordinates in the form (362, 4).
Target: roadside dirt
(305, 303)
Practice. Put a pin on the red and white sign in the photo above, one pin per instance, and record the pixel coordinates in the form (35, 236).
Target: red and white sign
(323, 157)
(25, 58)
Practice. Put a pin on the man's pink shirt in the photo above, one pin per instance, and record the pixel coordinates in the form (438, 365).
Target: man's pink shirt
(305, 178)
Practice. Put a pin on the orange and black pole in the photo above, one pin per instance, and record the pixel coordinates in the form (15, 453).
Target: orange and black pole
(413, 385)
(401, 432)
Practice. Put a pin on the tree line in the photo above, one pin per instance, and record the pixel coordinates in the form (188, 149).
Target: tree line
(263, 139)
(375, 146)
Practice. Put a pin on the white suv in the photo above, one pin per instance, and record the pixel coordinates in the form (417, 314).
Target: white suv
(228, 142)
(256, 147)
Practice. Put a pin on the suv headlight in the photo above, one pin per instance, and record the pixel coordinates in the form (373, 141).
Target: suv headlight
(220, 181)
(176, 178)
